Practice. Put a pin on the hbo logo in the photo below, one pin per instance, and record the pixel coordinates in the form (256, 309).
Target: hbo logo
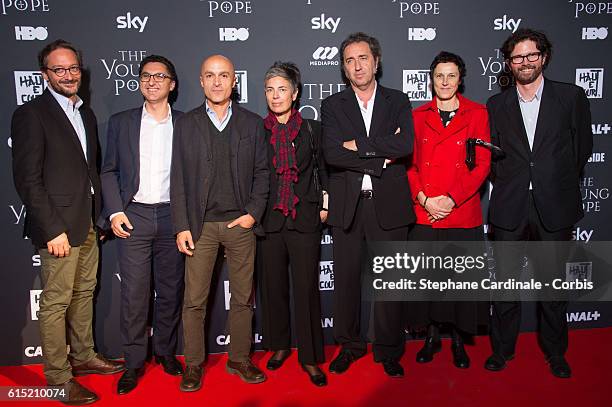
(233, 34)
(30, 33)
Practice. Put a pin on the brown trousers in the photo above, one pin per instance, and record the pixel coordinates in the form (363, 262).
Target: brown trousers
(66, 308)
(239, 246)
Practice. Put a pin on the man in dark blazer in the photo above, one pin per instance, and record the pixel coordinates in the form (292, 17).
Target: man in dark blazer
(136, 190)
(544, 129)
(365, 128)
(55, 169)
(218, 191)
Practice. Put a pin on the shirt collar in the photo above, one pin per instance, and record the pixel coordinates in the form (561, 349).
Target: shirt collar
(147, 116)
(210, 111)
(536, 97)
(371, 100)
(64, 102)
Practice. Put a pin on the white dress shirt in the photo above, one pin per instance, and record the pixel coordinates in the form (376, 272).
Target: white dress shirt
(530, 110)
(74, 116)
(366, 112)
(155, 157)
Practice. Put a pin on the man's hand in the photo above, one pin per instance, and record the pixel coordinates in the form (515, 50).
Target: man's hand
(119, 220)
(59, 246)
(184, 242)
(244, 221)
(350, 145)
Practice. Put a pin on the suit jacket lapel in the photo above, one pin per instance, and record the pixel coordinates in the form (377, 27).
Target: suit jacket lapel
(546, 115)
(380, 112)
(134, 141)
(515, 118)
(352, 111)
(202, 127)
(59, 112)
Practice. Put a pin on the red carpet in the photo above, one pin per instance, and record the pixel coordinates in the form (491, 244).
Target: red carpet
(526, 382)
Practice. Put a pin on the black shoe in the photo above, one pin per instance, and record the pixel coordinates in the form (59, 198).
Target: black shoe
(128, 381)
(393, 368)
(496, 362)
(316, 375)
(342, 362)
(559, 367)
(277, 359)
(460, 356)
(170, 364)
(431, 347)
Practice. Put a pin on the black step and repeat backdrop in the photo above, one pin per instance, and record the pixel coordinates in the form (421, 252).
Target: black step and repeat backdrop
(116, 35)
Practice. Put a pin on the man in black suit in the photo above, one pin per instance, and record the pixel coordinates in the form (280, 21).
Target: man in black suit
(544, 129)
(136, 190)
(55, 169)
(218, 192)
(365, 128)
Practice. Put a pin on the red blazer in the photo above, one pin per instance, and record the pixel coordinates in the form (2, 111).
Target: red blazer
(438, 162)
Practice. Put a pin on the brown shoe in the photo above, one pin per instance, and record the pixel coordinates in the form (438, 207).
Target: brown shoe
(98, 365)
(73, 394)
(192, 378)
(246, 370)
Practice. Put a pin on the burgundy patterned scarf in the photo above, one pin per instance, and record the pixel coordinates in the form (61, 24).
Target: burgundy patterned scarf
(284, 159)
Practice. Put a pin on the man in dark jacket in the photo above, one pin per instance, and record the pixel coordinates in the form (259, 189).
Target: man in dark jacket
(218, 192)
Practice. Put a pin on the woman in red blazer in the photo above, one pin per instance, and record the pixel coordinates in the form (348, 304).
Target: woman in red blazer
(446, 194)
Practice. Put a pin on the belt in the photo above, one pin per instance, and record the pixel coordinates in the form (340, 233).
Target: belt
(366, 194)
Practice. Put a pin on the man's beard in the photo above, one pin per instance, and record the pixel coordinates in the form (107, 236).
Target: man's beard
(62, 91)
(524, 79)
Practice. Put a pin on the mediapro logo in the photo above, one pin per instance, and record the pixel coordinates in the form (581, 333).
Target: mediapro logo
(594, 33)
(325, 53)
(233, 34)
(27, 33)
(421, 34)
(127, 22)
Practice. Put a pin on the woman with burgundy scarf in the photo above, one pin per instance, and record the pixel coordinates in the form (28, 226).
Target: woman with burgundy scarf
(297, 206)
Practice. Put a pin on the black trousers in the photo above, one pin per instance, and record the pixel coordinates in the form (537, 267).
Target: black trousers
(150, 251)
(389, 317)
(466, 316)
(506, 317)
(300, 251)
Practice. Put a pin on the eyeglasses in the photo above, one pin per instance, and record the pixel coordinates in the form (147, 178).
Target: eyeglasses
(518, 59)
(74, 70)
(157, 77)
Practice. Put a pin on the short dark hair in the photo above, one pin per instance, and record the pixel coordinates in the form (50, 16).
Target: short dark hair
(524, 34)
(162, 60)
(445, 56)
(52, 46)
(285, 70)
(362, 37)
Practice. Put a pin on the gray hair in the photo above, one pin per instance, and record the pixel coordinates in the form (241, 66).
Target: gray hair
(285, 70)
